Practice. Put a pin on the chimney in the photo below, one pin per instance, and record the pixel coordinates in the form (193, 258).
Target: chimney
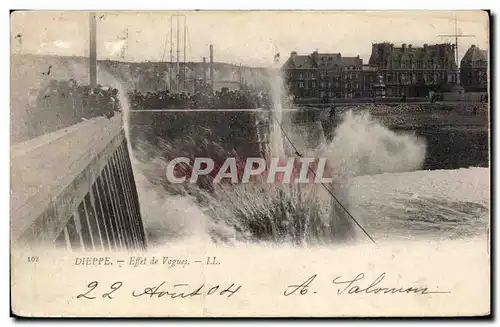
(293, 55)
(93, 50)
(403, 46)
(212, 66)
(314, 57)
(204, 70)
(409, 46)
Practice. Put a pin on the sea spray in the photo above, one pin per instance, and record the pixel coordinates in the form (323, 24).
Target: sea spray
(270, 213)
(363, 146)
(259, 212)
(277, 145)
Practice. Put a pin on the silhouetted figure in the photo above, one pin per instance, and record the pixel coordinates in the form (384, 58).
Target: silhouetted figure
(474, 111)
(329, 124)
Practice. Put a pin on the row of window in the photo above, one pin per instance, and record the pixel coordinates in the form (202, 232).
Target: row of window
(302, 85)
(474, 73)
(388, 76)
(419, 64)
(477, 63)
(398, 78)
(322, 76)
(476, 77)
(415, 77)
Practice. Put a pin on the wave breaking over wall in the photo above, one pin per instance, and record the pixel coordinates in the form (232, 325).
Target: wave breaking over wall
(272, 213)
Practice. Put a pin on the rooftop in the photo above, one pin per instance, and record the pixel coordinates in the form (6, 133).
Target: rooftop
(315, 60)
(474, 53)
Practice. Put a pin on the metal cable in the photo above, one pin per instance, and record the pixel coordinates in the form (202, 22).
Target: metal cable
(328, 190)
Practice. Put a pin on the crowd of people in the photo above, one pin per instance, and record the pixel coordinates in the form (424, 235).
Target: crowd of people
(223, 99)
(83, 101)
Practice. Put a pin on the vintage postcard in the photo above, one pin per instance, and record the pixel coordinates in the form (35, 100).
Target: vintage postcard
(250, 163)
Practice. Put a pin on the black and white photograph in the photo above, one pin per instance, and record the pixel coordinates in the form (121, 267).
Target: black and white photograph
(250, 163)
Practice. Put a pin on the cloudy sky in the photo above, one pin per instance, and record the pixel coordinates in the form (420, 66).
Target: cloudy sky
(249, 38)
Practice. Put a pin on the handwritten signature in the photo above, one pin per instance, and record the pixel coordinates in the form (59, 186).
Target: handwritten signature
(358, 285)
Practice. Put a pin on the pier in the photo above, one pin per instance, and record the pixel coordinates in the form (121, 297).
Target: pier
(75, 188)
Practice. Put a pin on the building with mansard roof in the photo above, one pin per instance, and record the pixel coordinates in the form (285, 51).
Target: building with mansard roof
(318, 77)
(414, 71)
(404, 71)
(474, 70)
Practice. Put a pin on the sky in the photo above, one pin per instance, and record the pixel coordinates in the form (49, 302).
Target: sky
(250, 38)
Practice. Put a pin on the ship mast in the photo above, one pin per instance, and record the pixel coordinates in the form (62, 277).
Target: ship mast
(456, 36)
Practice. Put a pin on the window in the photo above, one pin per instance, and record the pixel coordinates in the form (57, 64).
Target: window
(301, 76)
(419, 64)
(301, 85)
(356, 85)
(337, 84)
(389, 77)
(313, 84)
(403, 78)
